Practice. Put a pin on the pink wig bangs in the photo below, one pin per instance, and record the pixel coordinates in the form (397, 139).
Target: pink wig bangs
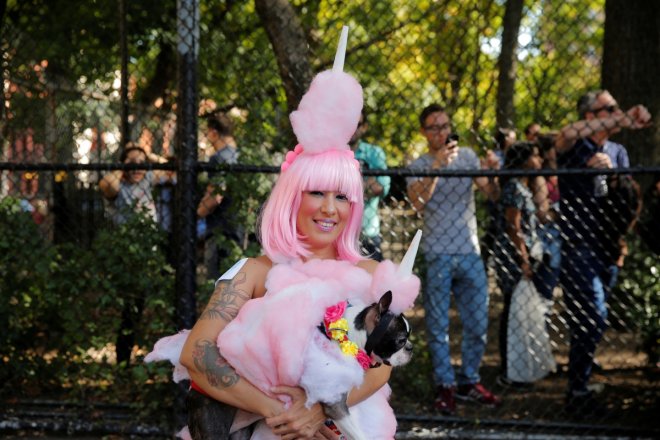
(329, 171)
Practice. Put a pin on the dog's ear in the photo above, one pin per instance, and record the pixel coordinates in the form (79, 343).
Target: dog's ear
(384, 303)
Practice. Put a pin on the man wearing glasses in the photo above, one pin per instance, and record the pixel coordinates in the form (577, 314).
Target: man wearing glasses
(591, 251)
(451, 249)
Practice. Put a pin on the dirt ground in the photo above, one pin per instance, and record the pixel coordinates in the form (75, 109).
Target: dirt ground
(627, 385)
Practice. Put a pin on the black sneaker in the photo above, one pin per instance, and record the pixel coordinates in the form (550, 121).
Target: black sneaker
(505, 382)
(584, 405)
(477, 393)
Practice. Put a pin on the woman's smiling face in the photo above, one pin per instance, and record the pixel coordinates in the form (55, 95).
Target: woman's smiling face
(321, 218)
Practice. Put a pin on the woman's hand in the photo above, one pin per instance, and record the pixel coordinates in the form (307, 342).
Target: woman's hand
(527, 270)
(297, 422)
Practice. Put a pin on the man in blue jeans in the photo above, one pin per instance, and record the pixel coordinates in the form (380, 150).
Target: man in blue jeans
(586, 271)
(451, 249)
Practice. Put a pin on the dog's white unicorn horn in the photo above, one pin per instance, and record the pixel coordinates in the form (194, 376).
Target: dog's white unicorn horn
(338, 66)
(408, 261)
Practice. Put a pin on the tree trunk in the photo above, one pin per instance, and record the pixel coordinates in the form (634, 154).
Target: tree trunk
(631, 68)
(3, 8)
(287, 37)
(507, 63)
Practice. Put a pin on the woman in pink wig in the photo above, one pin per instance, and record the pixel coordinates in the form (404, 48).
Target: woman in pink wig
(252, 338)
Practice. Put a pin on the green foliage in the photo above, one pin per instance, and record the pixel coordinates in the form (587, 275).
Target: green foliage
(406, 54)
(129, 267)
(637, 297)
(60, 305)
(24, 265)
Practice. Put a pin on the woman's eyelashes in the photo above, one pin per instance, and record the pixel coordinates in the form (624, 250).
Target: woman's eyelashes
(338, 196)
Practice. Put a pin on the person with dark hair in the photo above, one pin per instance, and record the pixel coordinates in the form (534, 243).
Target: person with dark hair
(532, 131)
(128, 194)
(215, 206)
(371, 157)
(451, 249)
(131, 191)
(586, 263)
(518, 249)
(504, 138)
(546, 199)
(309, 230)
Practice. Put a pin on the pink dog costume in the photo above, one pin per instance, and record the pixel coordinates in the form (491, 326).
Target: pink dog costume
(274, 340)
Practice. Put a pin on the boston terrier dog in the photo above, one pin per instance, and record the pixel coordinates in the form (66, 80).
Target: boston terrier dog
(383, 335)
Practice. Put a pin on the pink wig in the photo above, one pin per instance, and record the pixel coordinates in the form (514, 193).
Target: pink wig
(332, 170)
(324, 122)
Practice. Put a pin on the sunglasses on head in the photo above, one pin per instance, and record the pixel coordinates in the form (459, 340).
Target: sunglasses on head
(607, 108)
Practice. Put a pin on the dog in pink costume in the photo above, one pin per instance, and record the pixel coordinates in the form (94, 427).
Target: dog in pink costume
(274, 340)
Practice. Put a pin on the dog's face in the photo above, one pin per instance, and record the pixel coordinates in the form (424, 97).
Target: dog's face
(387, 333)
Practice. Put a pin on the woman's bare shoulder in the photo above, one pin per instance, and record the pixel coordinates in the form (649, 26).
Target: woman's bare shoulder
(256, 269)
(368, 265)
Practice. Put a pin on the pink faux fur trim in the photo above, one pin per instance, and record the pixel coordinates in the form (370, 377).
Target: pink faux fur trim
(328, 113)
(404, 291)
(267, 341)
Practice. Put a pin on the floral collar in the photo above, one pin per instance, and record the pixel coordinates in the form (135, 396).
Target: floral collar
(336, 328)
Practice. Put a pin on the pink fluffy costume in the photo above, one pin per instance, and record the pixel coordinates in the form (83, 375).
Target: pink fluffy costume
(275, 339)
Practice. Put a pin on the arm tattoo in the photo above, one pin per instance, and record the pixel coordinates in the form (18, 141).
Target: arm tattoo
(227, 299)
(215, 368)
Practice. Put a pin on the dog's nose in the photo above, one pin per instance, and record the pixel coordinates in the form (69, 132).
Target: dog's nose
(409, 346)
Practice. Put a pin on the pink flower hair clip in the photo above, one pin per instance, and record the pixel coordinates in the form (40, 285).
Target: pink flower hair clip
(290, 157)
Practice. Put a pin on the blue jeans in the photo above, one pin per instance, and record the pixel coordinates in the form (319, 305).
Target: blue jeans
(584, 294)
(464, 275)
(547, 274)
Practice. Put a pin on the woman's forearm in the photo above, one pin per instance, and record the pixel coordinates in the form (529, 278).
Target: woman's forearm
(513, 218)
(241, 394)
(374, 379)
(421, 191)
(521, 249)
(204, 361)
(211, 372)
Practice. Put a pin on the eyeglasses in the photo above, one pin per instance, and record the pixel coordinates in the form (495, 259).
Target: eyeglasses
(437, 128)
(608, 108)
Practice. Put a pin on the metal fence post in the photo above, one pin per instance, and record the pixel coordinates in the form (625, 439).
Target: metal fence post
(124, 128)
(185, 213)
(187, 49)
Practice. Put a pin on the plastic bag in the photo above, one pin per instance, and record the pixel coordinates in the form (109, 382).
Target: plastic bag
(529, 354)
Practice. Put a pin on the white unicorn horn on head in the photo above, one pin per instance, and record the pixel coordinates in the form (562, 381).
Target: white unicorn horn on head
(329, 111)
(338, 66)
(408, 261)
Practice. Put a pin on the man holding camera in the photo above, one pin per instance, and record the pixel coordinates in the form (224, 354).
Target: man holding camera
(451, 249)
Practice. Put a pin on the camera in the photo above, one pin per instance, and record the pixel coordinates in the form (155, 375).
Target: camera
(452, 137)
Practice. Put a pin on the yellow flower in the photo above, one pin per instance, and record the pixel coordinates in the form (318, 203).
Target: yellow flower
(338, 329)
(349, 348)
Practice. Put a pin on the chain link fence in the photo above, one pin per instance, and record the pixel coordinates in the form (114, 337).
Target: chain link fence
(139, 141)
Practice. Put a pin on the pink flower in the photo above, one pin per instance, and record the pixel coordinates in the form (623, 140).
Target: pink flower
(335, 312)
(363, 359)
